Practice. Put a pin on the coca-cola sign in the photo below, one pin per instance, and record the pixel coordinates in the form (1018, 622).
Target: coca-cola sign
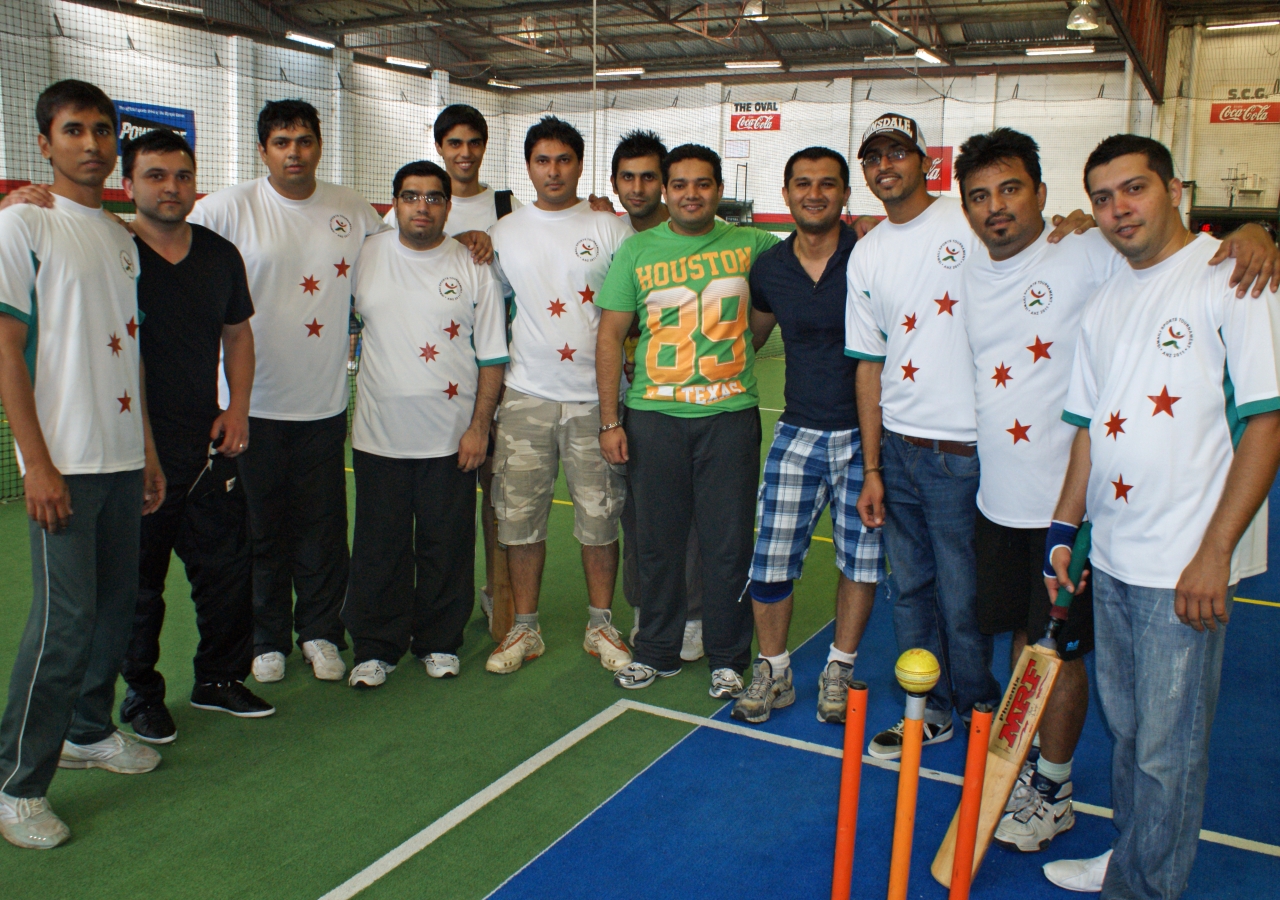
(756, 122)
(1244, 113)
(939, 178)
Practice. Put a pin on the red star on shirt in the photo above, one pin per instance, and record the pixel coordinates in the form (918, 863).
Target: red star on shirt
(1115, 425)
(313, 329)
(1040, 350)
(342, 267)
(429, 352)
(1163, 402)
(945, 304)
(1019, 432)
(587, 295)
(453, 329)
(566, 353)
(132, 327)
(310, 284)
(556, 308)
(909, 323)
(124, 402)
(1122, 489)
(114, 344)
(451, 390)
(909, 371)
(1002, 376)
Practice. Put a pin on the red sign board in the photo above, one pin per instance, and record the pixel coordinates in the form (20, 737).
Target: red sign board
(1244, 113)
(756, 122)
(940, 170)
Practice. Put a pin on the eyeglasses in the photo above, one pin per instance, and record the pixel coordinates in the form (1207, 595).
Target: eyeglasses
(435, 198)
(871, 160)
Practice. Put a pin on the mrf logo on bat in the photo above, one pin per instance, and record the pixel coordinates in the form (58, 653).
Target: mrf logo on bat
(1019, 708)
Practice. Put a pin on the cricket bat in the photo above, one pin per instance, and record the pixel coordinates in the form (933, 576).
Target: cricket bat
(1015, 723)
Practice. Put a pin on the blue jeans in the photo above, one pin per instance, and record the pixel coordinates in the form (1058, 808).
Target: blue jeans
(1158, 680)
(930, 510)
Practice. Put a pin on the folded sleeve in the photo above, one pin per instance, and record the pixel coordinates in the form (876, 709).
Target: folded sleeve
(863, 337)
(1082, 393)
(18, 260)
(489, 334)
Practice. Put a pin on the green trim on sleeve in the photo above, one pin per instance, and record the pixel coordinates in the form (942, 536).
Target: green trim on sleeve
(1074, 419)
(498, 361)
(1257, 407)
(24, 318)
(866, 357)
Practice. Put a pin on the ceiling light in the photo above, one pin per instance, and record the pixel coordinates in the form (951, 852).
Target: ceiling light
(1082, 18)
(493, 82)
(634, 70)
(754, 64)
(1065, 50)
(886, 28)
(928, 57)
(881, 58)
(308, 39)
(407, 63)
(754, 10)
(1234, 25)
(172, 7)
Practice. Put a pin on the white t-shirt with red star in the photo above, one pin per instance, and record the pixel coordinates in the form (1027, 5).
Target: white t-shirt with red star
(1168, 366)
(298, 255)
(1023, 321)
(70, 275)
(554, 262)
(906, 309)
(431, 318)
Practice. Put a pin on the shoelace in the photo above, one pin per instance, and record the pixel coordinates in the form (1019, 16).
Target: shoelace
(721, 680)
(1034, 808)
(833, 689)
(517, 632)
(608, 632)
(328, 651)
(760, 685)
(30, 807)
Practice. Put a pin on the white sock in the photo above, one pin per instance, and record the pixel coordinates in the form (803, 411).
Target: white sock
(778, 663)
(1055, 772)
(840, 656)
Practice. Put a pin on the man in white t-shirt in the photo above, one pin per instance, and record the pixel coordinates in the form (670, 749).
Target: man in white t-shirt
(299, 238)
(435, 347)
(70, 381)
(554, 256)
(1175, 392)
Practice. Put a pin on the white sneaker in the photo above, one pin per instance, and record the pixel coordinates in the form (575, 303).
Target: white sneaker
(268, 667)
(29, 822)
(521, 644)
(325, 661)
(1083, 875)
(691, 649)
(606, 643)
(725, 683)
(371, 673)
(1040, 819)
(122, 753)
(442, 665)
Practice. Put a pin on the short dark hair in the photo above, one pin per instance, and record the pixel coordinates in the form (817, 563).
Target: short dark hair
(422, 169)
(636, 144)
(550, 128)
(813, 154)
(279, 114)
(159, 140)
(459, 114)
(692, 151)
(1000, 145)
(1159, 159)
(77, 95)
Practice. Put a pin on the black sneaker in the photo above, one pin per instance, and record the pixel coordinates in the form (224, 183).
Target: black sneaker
(888, 743)
(153, 724)
(230, 697)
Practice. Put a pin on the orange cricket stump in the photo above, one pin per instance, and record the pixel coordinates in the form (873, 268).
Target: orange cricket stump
(975, 769)
(917, 671)
(855, 726)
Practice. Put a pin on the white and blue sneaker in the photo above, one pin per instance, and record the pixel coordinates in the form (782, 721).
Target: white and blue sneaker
(1045, 812)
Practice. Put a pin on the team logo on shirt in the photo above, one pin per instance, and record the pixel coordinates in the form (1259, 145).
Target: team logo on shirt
(1036, 299)
(450, 288)
(587, 249)
(126, 263)
(1174, 338)
(340, 225)
(951, 254)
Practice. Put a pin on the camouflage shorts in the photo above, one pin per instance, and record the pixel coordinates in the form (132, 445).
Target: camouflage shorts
(534, 437)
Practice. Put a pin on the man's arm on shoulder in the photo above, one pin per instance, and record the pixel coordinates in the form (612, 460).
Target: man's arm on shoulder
(1257, 259)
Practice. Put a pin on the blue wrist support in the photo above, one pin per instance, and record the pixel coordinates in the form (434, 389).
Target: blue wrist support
(1060, 535)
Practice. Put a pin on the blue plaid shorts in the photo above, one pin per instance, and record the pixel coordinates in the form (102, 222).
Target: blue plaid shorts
(806, 470)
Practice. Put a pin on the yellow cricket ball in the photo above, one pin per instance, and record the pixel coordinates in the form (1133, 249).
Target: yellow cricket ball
(917, 671)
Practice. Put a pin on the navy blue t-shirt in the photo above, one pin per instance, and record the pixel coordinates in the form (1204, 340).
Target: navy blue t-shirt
(820, 378)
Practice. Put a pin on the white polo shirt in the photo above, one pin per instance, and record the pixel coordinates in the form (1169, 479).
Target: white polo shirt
(70, 274)
(1168, 366)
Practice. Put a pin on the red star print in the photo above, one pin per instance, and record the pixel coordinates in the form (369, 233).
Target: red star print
(945, 304)
(132, 327)
(1002, 376)
(1122, 489)
(342, 267)
(1040, 349)
(909, 371)
(1115, 425)
(1163, 402)
(429, 352)
(114, 344)
(452, 330)
(309, 284)
(124, 402)
(566, 353)
(1019, 432)
(556, 308)
(587, 295)
(451, 390)
(909, 323)
(313, 329)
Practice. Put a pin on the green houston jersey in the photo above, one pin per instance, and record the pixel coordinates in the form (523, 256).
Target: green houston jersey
(694, 357)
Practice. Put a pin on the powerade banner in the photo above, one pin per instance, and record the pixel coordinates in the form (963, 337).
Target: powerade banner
(136, 119)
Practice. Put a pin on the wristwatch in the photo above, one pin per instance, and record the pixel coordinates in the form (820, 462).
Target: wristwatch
(610, 427)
